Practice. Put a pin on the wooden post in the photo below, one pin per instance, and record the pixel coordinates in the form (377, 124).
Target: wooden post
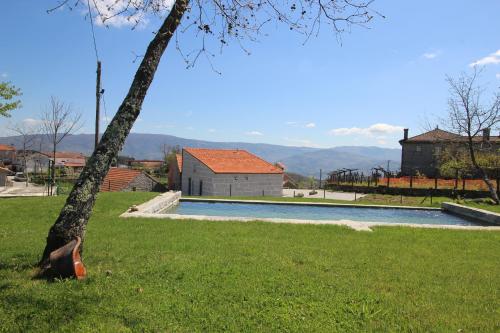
(411, 180)
(456, 179)
(463, 183)
(97, 103)
(435, 182)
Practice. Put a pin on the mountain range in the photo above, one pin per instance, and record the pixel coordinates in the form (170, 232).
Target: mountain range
(303, 160)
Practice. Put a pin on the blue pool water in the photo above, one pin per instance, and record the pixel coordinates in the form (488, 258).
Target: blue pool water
(317, 213)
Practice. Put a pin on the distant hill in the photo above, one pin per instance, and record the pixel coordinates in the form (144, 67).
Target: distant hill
(303, 160)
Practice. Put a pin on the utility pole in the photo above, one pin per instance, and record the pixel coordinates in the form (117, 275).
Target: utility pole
(97, 103)
(320, 171)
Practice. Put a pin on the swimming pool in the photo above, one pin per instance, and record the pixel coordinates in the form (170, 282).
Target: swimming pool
(306, 212)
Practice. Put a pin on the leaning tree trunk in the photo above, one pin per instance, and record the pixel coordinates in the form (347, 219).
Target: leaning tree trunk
(72, 220)
(484, 175)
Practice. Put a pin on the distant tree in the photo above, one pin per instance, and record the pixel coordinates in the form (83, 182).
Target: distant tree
(468, 116)
(8, 93)
(222, 20)
(169, 155)
(27, 137)
(58, 121)
(454, 158)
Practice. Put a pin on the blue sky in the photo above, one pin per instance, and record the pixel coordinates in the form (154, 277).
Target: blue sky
(362, 91)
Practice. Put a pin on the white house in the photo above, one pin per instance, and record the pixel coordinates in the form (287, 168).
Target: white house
(222, 172)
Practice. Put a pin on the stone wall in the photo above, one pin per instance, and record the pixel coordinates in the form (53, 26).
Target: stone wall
(473, 213)
(205, 182)
(144, 183)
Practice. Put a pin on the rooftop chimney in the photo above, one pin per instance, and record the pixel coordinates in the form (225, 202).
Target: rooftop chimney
(486, 134)
(406, 134)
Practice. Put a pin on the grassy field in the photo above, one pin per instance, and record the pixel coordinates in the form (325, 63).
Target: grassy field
(186, 276)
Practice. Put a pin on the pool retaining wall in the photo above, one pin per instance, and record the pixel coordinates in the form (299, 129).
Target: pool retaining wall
(472, 213)
(157, 204)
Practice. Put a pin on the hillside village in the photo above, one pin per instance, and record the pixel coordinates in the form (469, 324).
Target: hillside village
(250, 166)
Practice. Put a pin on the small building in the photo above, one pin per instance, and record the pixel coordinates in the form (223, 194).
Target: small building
(421, 153)
(175, 173)
(7, 154)
(221, 172)
(73, 162)
(124, 180)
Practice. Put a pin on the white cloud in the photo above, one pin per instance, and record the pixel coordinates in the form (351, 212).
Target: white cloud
(30, 122)
(211, 130)
(493, 58)
(497, 76)
(372, 131)
(431, 55)
(254, 133)
(299, 124)
(122, 13)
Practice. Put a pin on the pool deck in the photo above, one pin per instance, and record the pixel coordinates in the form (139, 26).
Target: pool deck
(145, 212)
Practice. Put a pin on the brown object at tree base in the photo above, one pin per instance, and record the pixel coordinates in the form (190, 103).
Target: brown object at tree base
(65, 262)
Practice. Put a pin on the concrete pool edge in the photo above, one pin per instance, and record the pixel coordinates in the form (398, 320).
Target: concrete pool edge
(144, 211)
(472, 213)
(356, 225)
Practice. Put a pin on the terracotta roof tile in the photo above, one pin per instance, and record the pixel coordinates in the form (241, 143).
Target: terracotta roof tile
(118, 179)
(65, 154)
(232, 161)
(7, 147)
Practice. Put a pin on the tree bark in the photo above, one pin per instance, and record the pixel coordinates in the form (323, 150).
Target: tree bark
(484, 175)
(74, 216)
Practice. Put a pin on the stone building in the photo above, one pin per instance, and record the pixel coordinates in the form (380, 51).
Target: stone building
(220, 172)
(421, 153)
(124, 180)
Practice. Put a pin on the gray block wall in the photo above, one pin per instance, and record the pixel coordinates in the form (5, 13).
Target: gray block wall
(143, 183)
(213, 184)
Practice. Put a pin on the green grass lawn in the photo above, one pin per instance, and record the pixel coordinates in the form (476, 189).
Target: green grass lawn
(186, 276)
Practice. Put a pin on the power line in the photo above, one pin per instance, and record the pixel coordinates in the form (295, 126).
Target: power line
(92, 29)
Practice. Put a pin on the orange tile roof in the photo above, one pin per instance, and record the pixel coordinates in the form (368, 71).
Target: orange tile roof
(74, 164)
(65, 154)
(7, 147)
(178, 157)
(232, 161)
(118, 179)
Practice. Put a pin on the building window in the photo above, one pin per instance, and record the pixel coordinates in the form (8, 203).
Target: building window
(419, 149)
(437, 150)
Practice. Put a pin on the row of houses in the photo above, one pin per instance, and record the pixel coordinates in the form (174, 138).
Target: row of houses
(195, 171)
